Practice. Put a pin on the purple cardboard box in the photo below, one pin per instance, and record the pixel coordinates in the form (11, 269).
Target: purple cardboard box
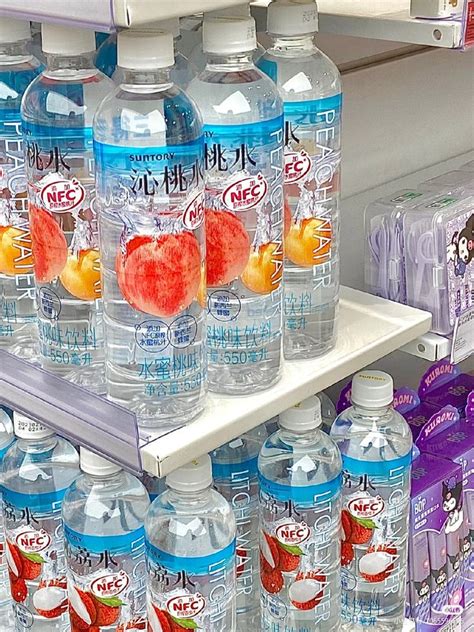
(434, 556)
(407, 402)
(444, 385)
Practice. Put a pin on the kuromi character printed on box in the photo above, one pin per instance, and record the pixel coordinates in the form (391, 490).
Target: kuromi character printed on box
(452, 505)
(460, 259)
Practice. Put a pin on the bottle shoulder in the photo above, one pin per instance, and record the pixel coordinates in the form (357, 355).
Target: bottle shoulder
(15, 79)
(213, 506)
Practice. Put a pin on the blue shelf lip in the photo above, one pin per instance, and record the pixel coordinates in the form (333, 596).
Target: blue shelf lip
(73, 412)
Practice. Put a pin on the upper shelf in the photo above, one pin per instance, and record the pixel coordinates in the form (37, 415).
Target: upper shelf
(370, 328)
(390, 20)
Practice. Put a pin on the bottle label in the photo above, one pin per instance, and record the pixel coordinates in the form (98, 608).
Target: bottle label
(298, 557)
(191, 592)
(34, 550)
(60, 172)
(151, 217)
(244, 223)
(107, 580)
(16, 260)
(376, 497)
(238, 483)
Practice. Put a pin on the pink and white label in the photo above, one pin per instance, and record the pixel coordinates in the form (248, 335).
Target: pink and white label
(61, 196)
(110, 585)
(186, 606)
(292, 533)
(297, 166)
(245, 193)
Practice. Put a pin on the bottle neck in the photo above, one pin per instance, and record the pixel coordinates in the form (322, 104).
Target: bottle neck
(193, 498)
(138, 80)
(308, 437)
(104, 480)
(36, 446)
(15, 53)
(236, 61)
(371, 413)
(297, 44)
(63, 66)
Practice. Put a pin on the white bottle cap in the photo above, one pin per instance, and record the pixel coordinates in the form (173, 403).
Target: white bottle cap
(66, 40)
(229, 35)
(194, 476)
(171, 25)
(12, 30)
(303, 416)
(372, 389)
(145, 50)
(292, 17)
(92, 463)
(240, 11)
(26, 428)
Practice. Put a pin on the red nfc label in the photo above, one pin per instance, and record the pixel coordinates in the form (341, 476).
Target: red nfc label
(31, 541)
(297, 166)
(246, 193)
(61, 196)
(366, 506)
(186, 606)
(293, 533)
(110, 585)
(193, 216)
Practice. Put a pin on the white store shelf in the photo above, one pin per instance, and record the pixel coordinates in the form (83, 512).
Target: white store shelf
(430, 346)
(385, 20)
(370, 328)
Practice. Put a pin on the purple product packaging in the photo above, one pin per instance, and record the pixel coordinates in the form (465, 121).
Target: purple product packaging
(439, 576)
(407, 402)
(443, 384)
(420, 578)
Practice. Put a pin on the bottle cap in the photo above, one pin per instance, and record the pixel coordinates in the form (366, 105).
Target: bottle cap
(171, 25)
(292, 17)
(145, 50)
(92, 463)
(240, 11)
(26, 428)
(12, 30)
(229, 35)
(194, 476)
(66, 40)
(372, 389)
(303, 416)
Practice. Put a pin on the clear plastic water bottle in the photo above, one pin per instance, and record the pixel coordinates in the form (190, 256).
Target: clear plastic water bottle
(300, 518)
(57, 112)
(243, 132)
(149, 160)
(106, 56)
(190, 542)
(6, 440)
(310, 86)
(18, 68)
(328, 411)
(234, 468)
(103, 513)
(376, 446)
(36, 471)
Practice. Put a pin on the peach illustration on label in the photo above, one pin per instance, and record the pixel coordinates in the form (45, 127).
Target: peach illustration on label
(308, 242)
(286, 217)
(49, 245)
(227, 247)
(81, 275)
(160, 275)
(264, 269)
(15, 251)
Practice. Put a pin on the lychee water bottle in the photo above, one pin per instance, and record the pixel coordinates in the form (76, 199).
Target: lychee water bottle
(376, 446)
(190, 544)
(36, 472)
(18, 67)
(103, 513)
(310, 86)
(150, 182)
(243, 129)
(6, 440)
(57, 112)
(234, 468)
(300, 517)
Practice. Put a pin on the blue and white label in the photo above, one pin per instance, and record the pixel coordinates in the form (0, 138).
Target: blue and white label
(192, 592)
(107, 580)
(298, 559)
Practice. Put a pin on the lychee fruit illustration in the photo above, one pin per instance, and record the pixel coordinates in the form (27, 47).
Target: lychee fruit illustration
(346, 524)
(160, 275)
(50, 600)
(288, 560)
(376, 566)
(14, 561)
(264, 270)
(227, 247)
(82, 610)
(307, 590)
(159, 620)
(269, 553)
(19, 590)
(272, 581)
(106, 615)
(347, 553)
(49, 245)
(30, 569)
(361, 529)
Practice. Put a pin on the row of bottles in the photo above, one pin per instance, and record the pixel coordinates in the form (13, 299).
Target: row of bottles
(321, 522)
(140, 195)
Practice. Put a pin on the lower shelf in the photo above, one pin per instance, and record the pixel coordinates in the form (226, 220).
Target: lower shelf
(370, 328)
